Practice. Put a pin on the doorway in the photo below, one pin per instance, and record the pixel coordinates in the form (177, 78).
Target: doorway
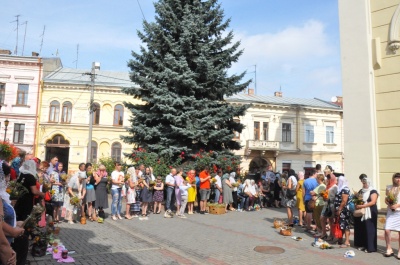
(59, 147)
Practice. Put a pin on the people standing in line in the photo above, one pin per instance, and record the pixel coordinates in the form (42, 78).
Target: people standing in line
(393, 213)
(147, 191)
(300, 199)
(158, 195)
(218, 187)
(365, 227)
(309, 185)
(58, 197)
(319, 203)
(101, 190)
(90, 192)
(178, 182)
(191, 179)
(170, 183)
(232, 181)
(205, 186)
(342, 212)
(117, 179)
(290, 195)
(227, 192)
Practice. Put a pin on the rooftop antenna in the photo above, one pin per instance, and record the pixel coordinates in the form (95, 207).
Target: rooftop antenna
(23, 46)
(16, 46)
(77, 56)
(255, 78)
(41, 44)
(141, 10)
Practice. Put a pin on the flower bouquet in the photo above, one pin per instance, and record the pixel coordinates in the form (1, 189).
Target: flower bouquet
(16, 190)
(76, 202)
(7, 151)
(324, 195)
(391, 199)
(358, 198)
(152, 184)
(63, 178)
(32, 219)
(213, 180)
(235, 185)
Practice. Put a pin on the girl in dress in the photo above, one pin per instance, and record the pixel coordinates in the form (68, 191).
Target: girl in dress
(393, 213)
(158, 195)
(147, 195)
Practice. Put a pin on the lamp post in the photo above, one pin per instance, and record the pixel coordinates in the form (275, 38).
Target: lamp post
(95, 66)
(6, 122)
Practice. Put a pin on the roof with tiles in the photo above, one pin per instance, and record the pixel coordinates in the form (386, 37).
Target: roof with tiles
(284, 101)
(79, 76)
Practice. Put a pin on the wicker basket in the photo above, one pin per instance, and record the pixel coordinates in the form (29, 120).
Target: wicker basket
(278, 223)
(285, 231)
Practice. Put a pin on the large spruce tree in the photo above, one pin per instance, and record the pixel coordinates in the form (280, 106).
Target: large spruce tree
(181, 76)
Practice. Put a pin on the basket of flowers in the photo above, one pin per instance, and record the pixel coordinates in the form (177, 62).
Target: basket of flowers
(285, 231)
(216, 208)
(278, 222)
(7, 151)
(16, 190)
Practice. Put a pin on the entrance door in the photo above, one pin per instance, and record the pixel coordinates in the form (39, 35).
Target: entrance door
(59, 147)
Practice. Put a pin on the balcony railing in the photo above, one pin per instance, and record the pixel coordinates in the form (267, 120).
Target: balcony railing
(262, 145)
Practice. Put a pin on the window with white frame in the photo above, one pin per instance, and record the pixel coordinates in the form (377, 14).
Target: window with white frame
(309, 133)
(286, 132)
(330, 134)
(22, 94)
(2, 92)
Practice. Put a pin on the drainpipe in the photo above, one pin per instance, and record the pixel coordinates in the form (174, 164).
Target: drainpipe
(39, 98)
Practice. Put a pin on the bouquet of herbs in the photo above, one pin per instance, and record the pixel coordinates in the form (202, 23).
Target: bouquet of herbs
(358, 198)
(391, 198)
(75, 201)
(16, 190)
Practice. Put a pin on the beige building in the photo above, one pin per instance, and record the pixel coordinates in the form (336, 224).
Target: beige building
(370, 42)
(289, 133)
(64, 116)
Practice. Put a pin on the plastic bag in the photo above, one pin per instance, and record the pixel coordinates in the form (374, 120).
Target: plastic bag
(337, 232)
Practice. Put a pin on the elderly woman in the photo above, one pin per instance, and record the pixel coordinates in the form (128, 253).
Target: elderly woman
(232, 181)
(101, 190)
(393, 213)
(328, 212)
(299, 198)
(227, 192)
(319, 203)
(341, 200)
(365, 227)
(72, 191)
(250, 193)
(277, 190)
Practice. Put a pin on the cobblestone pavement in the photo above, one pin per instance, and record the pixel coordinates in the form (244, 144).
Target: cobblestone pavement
(200, 239)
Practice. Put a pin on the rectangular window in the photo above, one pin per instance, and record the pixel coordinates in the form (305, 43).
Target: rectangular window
(236, 135)
(265, 131)
(22, 94)
(286, 132)
(256, 130)
(2, 92)
(330, 134)
(19, 131)
(309, 133)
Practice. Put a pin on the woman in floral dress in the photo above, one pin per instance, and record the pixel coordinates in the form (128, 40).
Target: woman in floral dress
(158, 195)
(341, 199)
(57, 190)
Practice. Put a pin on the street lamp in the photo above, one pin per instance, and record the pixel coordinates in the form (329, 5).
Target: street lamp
(6, 122)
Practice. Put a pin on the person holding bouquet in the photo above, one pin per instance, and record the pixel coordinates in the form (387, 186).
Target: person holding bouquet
(365, 227)
(191, 179)
(393, 213)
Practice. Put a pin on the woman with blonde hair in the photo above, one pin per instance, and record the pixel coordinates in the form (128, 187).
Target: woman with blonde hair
(393, 213)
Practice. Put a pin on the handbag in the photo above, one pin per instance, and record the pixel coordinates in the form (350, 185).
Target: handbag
(328, 210)
(359, 212)
(290, 194)
(336, 231)
(311, 204)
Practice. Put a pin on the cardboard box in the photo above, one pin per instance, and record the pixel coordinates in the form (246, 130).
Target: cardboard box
(216, 210)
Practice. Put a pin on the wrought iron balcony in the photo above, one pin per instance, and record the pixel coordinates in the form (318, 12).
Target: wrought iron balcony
(262, 145)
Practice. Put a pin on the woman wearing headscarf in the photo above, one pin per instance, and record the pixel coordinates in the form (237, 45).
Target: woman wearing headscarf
(24, 205)
(234, 189)
(341, 199)
(365, 227)
(74, 189)
(331, 187)
(227, 192)
(277, 190)
(249, 193)
(299, 198)
(393, 213)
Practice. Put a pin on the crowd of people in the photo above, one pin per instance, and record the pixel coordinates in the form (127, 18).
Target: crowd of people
(321, 200)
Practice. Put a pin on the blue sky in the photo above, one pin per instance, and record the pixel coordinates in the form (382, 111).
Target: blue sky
(295, 44)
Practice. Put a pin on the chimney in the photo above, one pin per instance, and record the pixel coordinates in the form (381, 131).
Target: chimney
(5, 52)
(251, 91)
(338, 100)
(35, 54)
(278, 94)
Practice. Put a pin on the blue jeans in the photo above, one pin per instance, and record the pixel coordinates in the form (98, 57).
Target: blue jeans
(217, 193)
(170, 193)
(116, 205)
(243, 201)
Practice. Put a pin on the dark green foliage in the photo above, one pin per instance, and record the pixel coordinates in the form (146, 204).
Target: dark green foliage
(181, 77)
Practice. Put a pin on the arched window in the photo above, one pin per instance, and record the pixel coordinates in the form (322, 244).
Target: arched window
(116, 152)
(94, 152)
(54, 111)
(66, 112)
(96, 113)
(118, 115)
